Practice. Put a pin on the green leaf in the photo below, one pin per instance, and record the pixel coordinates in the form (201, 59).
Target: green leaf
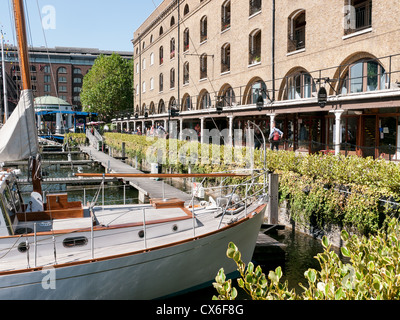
(344, 235)
(311, 275)
(339, 294)
(345, 251)
(234, 293)
(230, 252)
(273, 277)
(278, 272)
(325, 241)
(236, 256)
(250, 267)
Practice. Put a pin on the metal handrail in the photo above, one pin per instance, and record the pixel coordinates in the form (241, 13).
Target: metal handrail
(252, 179)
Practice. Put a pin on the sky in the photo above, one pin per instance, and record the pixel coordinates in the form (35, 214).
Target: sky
(102, 24)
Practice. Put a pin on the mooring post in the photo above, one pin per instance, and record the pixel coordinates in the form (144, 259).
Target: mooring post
(123, 151)
(273, 200)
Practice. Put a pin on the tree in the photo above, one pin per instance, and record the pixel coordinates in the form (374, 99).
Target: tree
(108, 87)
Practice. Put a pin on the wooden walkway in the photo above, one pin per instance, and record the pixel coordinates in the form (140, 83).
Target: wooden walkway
(148, 188)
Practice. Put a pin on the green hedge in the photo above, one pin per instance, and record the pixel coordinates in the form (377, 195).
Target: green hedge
(319, 189)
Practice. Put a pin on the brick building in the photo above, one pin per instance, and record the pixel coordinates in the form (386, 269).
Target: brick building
(54, 72)
(232, 52)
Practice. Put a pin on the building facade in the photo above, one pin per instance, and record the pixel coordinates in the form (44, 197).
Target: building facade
(56, 72)
(195, 55)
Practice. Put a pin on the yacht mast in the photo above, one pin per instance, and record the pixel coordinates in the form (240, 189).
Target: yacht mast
(20, 27)
(4, 79)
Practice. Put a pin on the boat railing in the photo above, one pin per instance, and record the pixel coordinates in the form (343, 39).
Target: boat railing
(248, 185)
(252, 189)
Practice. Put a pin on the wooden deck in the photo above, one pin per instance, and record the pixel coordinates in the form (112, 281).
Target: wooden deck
(148, 188)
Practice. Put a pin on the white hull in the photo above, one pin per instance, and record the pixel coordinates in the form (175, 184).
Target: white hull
(153, 274)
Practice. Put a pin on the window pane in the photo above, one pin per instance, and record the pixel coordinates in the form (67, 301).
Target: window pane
(372, 76)
(356, 74)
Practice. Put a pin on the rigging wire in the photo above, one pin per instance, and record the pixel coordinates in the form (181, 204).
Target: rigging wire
(53, 78)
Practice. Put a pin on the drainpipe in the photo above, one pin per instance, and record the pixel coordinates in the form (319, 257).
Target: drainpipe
(273, 50)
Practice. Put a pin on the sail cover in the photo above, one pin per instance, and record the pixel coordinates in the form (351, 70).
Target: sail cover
(18, 136)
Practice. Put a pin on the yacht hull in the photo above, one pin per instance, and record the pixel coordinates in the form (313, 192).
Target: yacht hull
(151, 274)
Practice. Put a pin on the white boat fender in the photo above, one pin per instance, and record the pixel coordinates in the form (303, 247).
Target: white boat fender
(36, 202)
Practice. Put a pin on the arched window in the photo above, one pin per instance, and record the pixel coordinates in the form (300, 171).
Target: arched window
(204, 101)
(225, 58)
(255, 47)
(161, 31)
(186, 10)
(172, 21)
(257, 88)
(151, 58)
(186, 73)
(172, 48)
(254, 7)
(226, 15)
(62, 70)
(161, 55)
(297, 30)
(186, 40)
(172, 103)
(161, 106)
(152, 109)
(299, 85)
(186, 103)
(161, 82)
(229, 98)
(203, 29)
(172, 78)
(203, 66)
(364, 75)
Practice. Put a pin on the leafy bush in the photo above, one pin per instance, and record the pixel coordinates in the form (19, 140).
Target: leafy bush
(373, 272)
(75, 139)
(319, 189)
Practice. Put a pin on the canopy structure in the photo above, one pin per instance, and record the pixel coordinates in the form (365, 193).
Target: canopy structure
(64, 117)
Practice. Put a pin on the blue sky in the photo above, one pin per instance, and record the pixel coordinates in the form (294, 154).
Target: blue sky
(107, 25)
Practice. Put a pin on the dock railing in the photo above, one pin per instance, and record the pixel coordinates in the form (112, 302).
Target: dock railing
(95, 138)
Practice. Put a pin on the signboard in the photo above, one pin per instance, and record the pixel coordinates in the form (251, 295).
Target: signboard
(322, 97)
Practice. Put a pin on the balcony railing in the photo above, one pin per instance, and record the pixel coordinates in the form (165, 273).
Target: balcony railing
(360, 19)
(392, 72)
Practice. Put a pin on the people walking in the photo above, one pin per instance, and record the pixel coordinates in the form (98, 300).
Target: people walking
(275, 137)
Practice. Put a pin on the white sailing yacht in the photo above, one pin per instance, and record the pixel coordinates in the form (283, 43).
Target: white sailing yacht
(55, 249)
